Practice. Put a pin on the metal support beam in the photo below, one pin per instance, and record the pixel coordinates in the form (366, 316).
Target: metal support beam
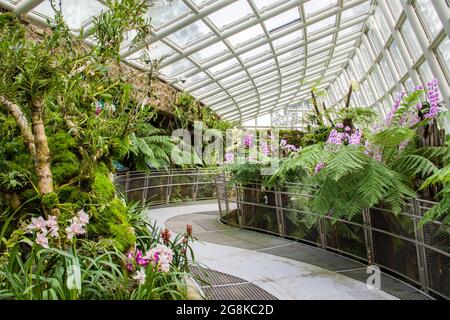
(25, 6)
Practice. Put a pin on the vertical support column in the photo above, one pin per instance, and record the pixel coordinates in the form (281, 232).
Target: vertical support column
(169, 185)
(280, 214)
(216, 183)
(420, 249)
(127, 183)
(144, 191)
(195, 188)
(239, 207)
(368, 236)
(322, 232)
(225, 194)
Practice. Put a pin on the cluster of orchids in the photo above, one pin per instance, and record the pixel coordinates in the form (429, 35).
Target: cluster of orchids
(49, 228)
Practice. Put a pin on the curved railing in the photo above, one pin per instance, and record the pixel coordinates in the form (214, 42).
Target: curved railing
(158, 187)
(420, 256)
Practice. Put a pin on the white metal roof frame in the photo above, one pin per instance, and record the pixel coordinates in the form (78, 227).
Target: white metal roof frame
(264, 55)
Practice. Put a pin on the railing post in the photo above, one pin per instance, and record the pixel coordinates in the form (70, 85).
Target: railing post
(144, 191)
(323, 233)
(127, 183)
(225, 193)
(420, 250)
(216, 183)
(280, 216)
(195, 189)
(368, 236)
(239, 207)
(169, 185)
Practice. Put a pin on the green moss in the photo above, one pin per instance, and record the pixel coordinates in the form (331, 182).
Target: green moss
(65, 166)
(123, 236)
(103, 187)
(61, 141)
(50, 200)
(119, 148)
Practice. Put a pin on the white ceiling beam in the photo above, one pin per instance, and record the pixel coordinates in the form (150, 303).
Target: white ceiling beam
(26, 6)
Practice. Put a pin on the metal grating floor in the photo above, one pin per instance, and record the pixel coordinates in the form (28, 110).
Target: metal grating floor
(221, 286)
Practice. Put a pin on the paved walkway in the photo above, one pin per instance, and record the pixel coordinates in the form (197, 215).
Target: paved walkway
(283, 268)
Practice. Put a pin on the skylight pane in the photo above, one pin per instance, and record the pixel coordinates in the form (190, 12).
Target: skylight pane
(76, 12)
(282, 20)
(291, 37)
(312, 7)
(166, 11)
(224, 65)
(190, 33)
(230, 14)
(246, 35)
(211, 51)
(257, 51)
(322, 24)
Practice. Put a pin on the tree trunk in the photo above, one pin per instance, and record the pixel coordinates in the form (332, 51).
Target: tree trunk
(43, 170)
(22, 123)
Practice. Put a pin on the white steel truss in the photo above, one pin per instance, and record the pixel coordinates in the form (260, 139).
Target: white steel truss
(247, 58)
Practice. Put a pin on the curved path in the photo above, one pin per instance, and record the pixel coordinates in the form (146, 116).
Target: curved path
(282, 268)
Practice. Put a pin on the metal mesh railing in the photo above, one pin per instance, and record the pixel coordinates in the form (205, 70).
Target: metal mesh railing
(418, 255)
(167, 186)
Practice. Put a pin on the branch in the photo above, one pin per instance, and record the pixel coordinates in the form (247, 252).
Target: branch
(22, 123)
(349, 95)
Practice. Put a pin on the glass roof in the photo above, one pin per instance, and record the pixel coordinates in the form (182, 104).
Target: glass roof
(243, 58)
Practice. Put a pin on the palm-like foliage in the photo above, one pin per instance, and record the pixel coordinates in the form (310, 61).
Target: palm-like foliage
(149, 147)
(352, 180)
(440, 178)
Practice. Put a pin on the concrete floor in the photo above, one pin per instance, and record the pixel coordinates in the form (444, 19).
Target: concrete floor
(258, 258)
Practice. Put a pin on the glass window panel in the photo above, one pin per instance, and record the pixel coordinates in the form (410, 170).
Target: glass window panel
(397, 59)
(374, 40)
(211, 51)
(224, 65)
(444, 56)
(321, 42)
(312, 7)
(164, 12)
(349, 31)
(260, 66)
(366, 58)
(264, 4)
(257, 51)
(425, 73)
(230, 14)
(355, 11)
(411, 40)
(292, 37)
(246, 35)
(176, 68)
(387, 72)
(382, 24)
(76, 12)
(395, 8)
(409, 85)
(284, 19)
(159, 50)
(193, 32)
(368, 92)
(377, 84)
(322, 24)
(429, 17)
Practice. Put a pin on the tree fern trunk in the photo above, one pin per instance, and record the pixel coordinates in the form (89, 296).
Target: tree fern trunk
(43, 170)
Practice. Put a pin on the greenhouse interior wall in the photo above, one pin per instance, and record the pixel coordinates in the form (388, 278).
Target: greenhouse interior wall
(224, 150)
